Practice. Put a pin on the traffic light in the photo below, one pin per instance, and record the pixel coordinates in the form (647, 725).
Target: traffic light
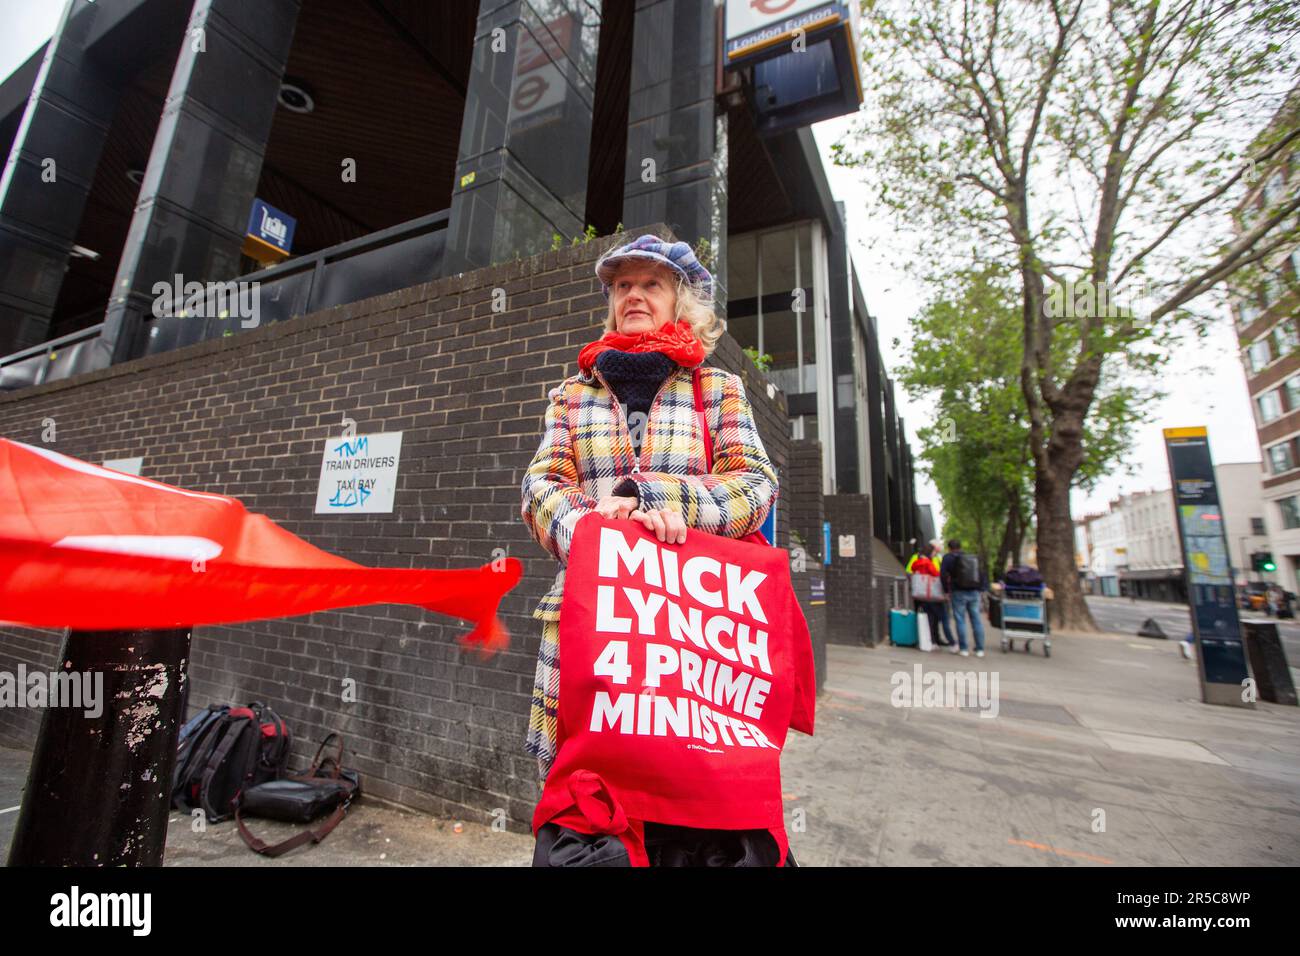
(1263, 561)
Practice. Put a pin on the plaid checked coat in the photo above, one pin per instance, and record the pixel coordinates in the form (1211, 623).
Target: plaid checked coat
(587, 449)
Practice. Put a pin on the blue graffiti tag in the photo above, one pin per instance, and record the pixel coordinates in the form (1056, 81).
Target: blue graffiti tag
(355, 497)
(347, 449)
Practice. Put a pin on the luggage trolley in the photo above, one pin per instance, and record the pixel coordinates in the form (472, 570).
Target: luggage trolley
(1024, 615)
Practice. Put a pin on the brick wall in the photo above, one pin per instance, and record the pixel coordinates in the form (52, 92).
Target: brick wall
(247, 416)
(849, 580)
(803, 486)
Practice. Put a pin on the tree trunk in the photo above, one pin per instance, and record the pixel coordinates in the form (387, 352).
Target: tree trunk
(1018, 543)
(1056, 551)
(1010, 535)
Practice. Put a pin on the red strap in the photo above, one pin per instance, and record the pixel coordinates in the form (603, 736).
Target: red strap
(754, 537)
(704, 422)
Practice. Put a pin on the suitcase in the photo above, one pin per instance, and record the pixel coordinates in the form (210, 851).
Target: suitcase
(902, 628)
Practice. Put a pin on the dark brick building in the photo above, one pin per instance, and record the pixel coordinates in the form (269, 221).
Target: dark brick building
(145, 139)
(246, 416)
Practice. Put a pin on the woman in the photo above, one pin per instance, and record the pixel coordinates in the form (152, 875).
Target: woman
(622, 439)
(936, 611)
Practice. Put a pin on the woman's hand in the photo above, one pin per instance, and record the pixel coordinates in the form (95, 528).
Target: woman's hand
(668, 526)
(615, 506)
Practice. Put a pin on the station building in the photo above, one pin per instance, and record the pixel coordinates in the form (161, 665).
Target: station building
(348, 183)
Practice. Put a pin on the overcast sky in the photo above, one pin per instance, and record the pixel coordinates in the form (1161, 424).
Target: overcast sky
(26, 25)
(1205, 381)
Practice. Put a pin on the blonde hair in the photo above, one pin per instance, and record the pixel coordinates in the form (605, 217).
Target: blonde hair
(692, 305)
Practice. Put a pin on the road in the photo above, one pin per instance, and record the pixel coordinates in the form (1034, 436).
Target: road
(1123, 616)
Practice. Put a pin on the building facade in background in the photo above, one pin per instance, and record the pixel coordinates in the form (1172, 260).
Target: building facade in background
(1241, 498)
(1132, 548)
(329, 151)
(1265, 309)
(230, 229)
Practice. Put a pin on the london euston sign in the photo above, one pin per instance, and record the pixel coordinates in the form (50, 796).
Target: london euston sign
(760, 28)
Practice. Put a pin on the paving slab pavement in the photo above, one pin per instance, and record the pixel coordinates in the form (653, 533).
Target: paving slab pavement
(374, 833)
(1108, 732)
(1102, 755)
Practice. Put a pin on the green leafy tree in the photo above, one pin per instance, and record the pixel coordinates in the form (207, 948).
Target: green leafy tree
(1095, 149)
(962, 364)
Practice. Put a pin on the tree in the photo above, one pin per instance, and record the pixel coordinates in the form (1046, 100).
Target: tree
(964, 361)
(1089, 146)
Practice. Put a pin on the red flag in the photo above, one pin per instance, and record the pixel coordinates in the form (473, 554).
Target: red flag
(89, 548)
(684, 666)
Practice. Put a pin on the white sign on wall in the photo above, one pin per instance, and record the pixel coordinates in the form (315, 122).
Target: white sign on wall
(127, 466)
(848, 546)
(754, 25)
(538, 90)
(358, 474)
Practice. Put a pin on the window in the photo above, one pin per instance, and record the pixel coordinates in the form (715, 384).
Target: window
(1248, 310)
(1285, 338)
(1260, 354)
(1273, 290)
(742, 269)
(1290, 508)
(1270, 406)
(1257, 526)
(1292, 389)
(771, 303)
(1281, 457)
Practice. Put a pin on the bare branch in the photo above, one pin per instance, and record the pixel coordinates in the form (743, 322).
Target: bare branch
(1191, 208)
(1242, 253)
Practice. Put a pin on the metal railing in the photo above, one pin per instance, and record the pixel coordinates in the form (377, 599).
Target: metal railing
(380, 262)
(63, 357)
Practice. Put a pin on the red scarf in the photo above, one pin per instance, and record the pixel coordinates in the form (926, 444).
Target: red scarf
(675, 339)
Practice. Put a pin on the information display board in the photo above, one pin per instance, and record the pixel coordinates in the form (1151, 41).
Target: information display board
(1210, 591)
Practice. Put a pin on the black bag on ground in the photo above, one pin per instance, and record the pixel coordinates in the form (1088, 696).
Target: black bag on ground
(966, 572)
(327, 785)
(223, 750)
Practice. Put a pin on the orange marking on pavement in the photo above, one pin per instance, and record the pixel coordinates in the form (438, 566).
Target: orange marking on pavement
(844, 705)
(1049, 849)
(1023, 733)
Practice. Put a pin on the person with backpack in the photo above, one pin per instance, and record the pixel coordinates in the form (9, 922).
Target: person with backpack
(964, 581)
(937, 610)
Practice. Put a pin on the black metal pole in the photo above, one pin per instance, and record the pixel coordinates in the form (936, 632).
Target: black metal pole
(99, 789)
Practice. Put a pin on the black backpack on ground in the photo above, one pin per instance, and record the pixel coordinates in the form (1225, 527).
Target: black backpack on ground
(966, 572)
(223, 750)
